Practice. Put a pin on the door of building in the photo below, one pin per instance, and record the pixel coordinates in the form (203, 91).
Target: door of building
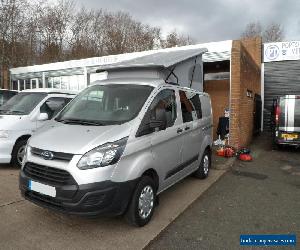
(257, 114)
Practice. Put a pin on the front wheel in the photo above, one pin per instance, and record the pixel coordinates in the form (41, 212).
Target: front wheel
(204, 167)
(18, 153)
(143, 201)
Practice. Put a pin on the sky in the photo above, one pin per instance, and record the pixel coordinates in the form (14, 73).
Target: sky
(207, 21)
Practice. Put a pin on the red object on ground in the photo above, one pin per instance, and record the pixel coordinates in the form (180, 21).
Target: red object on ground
(229, 152)
(245, 157)
(221, 152)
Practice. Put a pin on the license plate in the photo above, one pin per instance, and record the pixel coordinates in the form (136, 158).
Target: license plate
(289, 136)
(41, 188)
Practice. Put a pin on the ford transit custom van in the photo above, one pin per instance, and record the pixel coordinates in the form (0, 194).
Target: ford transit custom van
(116, 146)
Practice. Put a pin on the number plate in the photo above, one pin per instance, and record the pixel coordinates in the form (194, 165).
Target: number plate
(289, 136)
(42, 188)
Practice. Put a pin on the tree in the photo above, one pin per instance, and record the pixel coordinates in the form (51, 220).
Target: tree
(53, 25)
(12, 19)
(274, 32)
(253, 29)
(122, 34)
(174, 39)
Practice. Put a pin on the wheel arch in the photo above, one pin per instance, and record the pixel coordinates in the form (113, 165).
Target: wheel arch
(153, 175)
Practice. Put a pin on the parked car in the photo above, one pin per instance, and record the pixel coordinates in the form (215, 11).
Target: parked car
(116, 146)
(22, 115)
(286, 120)
(5, 95)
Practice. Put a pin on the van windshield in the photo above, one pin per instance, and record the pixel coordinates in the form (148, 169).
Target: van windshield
(22, 103)
(106, 104)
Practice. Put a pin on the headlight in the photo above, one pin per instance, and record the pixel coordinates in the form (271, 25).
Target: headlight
(4, 134)
(102, 156)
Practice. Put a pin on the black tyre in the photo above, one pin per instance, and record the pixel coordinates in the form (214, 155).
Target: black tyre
(18, 153)
(142, 204)
(204, 167)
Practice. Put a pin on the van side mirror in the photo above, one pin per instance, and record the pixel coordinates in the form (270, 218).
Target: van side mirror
(43, 117)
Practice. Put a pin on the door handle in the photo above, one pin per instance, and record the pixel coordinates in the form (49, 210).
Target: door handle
(179, 131)
(187, 128)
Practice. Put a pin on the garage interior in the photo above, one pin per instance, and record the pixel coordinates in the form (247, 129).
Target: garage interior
(217, 85)
(234, 84)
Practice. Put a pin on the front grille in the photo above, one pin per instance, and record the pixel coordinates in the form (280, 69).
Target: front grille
(56, 155)
(43, 199)
(49, 175)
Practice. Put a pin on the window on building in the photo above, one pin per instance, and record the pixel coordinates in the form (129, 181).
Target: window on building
(27, 84)
(22, 85)
(40, 83)
(56, 82)
(65, 80)
(34, 83)
(14, 85)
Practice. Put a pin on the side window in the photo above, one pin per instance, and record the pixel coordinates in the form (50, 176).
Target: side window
(190, 106)
(164, 104)
(195, 99)
(53, 105)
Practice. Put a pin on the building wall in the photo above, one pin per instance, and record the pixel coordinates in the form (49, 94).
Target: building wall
(245, 77)
(4, 78)
(219, 93)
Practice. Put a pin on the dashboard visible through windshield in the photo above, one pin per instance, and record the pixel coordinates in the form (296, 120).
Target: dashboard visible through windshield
(106, 104)
(22, 103)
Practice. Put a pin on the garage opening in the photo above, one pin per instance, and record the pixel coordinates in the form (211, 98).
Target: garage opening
(217, 85)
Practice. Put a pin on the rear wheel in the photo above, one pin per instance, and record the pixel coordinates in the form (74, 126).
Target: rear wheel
(204, 167)
(18, 153)
(143, 202)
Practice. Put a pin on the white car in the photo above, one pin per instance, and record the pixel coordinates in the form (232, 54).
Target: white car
(23, 114)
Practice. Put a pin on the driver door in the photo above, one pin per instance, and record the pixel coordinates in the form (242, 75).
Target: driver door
(166, 141)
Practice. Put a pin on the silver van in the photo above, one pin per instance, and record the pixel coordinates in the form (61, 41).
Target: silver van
(116, 146)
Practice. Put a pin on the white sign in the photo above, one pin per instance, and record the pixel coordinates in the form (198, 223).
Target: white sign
(282, 51)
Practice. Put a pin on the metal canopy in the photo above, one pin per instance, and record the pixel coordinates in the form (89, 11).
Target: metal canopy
(163, 59)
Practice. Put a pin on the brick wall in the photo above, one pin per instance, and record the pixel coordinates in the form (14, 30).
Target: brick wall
(245, 75)
(4, 78)
(219, 93)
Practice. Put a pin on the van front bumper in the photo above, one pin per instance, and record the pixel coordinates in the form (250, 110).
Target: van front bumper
(93, 199)
(6, 148)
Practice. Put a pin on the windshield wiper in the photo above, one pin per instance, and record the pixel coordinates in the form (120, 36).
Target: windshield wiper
(16, 111)
(80, 122)
(10, 112)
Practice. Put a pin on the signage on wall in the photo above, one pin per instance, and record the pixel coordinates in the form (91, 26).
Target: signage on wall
(282, 51)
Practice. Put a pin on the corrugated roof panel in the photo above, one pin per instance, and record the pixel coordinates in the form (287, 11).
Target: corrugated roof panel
(216, 56)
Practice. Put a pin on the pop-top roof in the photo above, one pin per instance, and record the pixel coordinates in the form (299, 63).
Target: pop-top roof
(163, 59)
